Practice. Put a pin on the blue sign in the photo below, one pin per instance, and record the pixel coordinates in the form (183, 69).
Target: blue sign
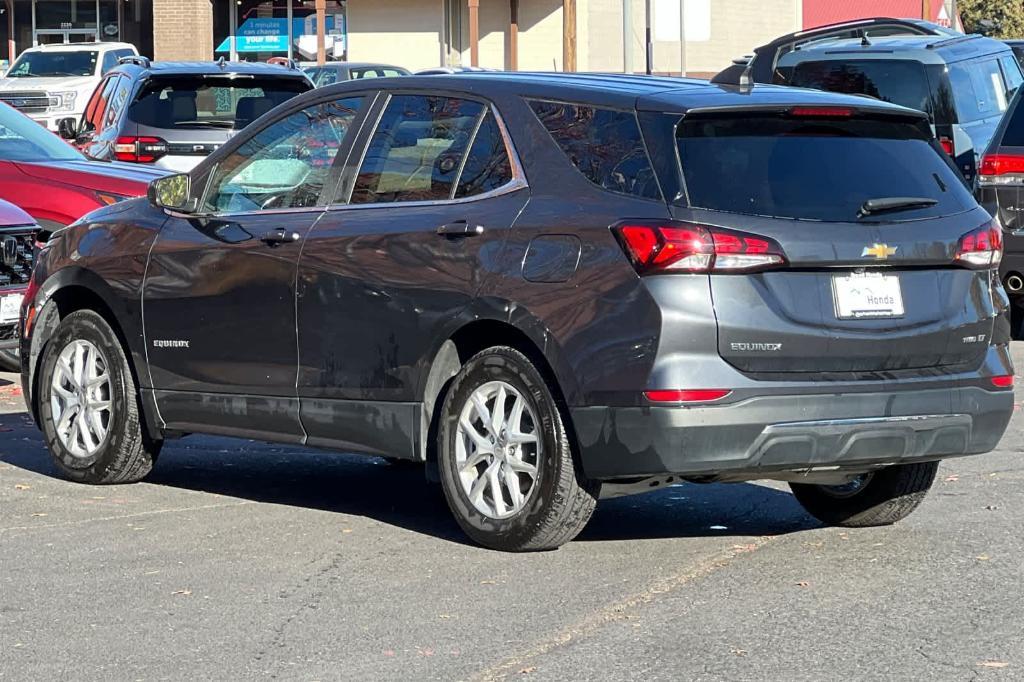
(267, 34)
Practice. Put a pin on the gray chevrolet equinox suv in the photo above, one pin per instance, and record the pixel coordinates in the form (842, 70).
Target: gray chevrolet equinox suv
(539, 284)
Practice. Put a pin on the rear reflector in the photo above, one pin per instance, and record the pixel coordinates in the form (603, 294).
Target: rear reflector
(947, 145)
(681, 247)
(1003, 381)
(1001, 169)
(693, 395)
(983, 247)
(821, 112)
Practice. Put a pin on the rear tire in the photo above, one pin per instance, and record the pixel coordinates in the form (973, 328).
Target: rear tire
(9, 361)
(89, 405)
(506, 462)
(882, 498)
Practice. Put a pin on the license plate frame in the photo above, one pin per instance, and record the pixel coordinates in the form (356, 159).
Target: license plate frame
(10, 307)
(867, 296)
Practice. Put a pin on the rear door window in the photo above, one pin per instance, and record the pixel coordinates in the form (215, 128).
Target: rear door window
(979, 89)
(487, 166)
(188, 103)
(417, 151)
(814, 169)
(604, 144)
(1011, 74)
(900, 81)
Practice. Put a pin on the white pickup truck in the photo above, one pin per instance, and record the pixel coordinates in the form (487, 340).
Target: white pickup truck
(51, 82)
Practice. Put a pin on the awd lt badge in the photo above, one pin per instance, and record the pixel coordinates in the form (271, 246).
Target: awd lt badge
(879, 251)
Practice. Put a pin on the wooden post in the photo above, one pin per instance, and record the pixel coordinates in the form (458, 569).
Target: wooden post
(11, 56)
(474, 32)
(568, 35)
(926, 10)
(513, 35)
(321, 31)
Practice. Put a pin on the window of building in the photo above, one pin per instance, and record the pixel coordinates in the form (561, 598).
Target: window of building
(604, 144)
(417, 150)
(286, 164)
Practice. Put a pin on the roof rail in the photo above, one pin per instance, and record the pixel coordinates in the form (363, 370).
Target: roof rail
(136, 59)
(952, 41)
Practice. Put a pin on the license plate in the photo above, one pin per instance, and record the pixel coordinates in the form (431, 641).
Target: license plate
(867, 295)
(10, 307)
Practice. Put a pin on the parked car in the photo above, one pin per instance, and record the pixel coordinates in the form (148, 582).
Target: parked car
(450, 70)
(963, 82)
(1000, 191)
(173, 114)
(52, 82)
(17, 251)
(1018, 49)
(336, 72)
(52, 181)
(502, 275)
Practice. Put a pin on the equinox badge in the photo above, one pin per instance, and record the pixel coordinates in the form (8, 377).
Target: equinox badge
(879, 251)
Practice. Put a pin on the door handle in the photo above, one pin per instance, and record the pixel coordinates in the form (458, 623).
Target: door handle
(460, 228)
(280, 236)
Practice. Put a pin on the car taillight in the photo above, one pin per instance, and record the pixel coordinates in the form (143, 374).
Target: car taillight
(681, 247)
(821, 112)
(1001, 169)
(1002, 381)
(139, 149)
(947, 145)
(691, 395)
(983, 247)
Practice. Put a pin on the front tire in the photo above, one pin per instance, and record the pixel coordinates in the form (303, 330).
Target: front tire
(89, 405)
(506, 462)
(880, 498)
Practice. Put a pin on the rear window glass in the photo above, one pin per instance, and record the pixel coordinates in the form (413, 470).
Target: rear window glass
(1013, 136)
(191, 103)
(901, 81)
(604, 144)
(978, 88)
(814, 169)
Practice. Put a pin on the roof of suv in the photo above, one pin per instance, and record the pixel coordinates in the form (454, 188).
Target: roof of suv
(650, 93)
(143, 67)
(79, 47)
(925, 49)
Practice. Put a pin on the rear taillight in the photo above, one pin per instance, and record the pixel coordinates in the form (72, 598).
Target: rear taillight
(689, 395)
(681, 247)
(1002, 381)
(947, 145)
(983, 247)
(1001, 169)
(139, 149)
(821, 112)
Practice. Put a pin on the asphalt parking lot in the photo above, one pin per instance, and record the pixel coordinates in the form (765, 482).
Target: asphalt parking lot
(246, 560)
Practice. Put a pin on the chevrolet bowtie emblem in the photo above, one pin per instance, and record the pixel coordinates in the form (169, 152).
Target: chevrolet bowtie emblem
(879, 251)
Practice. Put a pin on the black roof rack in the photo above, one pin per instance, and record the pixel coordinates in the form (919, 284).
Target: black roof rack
(136, 59)
(761, 68)
(953, 41)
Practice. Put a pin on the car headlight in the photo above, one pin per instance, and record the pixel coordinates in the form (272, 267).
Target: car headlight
(62, 101)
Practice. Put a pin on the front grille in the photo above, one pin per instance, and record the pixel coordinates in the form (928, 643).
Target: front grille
(17, 253)
(28, 102)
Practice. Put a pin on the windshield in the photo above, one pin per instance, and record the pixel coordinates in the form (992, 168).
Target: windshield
(210, 102)
(54, 65)
(22, 139)
(815, 169)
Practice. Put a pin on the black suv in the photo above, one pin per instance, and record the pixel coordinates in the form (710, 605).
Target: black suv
(963, 82)
(513, 278)
(173, 114)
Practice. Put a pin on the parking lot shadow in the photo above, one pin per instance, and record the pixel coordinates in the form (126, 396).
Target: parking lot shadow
(399, 496)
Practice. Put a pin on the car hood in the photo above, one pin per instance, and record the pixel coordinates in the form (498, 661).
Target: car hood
(121, 178)
(12, 216)
(49, 84)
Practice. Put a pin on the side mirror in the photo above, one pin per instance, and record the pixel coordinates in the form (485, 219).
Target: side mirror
(172, 192)
(67, 128)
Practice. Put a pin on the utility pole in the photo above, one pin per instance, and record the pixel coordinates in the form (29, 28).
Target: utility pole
(321, 32)
(682, 38)
(648, 42)
(627, 36)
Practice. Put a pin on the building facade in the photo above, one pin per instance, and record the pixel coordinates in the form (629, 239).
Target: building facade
(698, 37)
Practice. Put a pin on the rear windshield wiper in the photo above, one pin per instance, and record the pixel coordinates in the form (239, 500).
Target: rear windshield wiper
(872, 206)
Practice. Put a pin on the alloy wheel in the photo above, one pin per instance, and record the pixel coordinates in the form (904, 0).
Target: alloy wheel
(80, 399)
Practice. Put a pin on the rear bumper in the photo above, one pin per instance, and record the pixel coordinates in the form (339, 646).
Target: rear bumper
(761, 435)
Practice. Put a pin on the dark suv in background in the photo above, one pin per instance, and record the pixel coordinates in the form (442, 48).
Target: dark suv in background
(173, 114)
(963, 82)
(539, 283)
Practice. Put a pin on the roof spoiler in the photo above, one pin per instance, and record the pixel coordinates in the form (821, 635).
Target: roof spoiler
(136, 59)
(760, 67)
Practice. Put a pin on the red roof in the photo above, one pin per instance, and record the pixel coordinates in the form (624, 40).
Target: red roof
(821, 12)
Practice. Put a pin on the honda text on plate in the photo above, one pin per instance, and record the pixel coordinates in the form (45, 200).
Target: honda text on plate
(539, 284)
